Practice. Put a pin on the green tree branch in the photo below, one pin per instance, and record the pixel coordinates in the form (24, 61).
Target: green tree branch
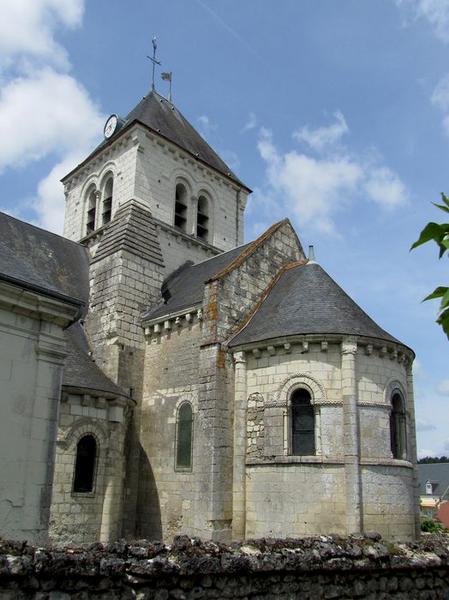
(438, 233)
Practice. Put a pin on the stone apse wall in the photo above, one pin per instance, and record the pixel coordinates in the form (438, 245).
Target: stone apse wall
(324, 567)
(273, 475)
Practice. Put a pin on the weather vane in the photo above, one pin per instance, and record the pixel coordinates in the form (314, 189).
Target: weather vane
(167, 76)
(153, 58)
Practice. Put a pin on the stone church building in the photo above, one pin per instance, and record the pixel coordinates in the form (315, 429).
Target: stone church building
(204, 385)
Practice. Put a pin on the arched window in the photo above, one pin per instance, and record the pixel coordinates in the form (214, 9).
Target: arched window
(202, 219)
(302, 423)
(86, 454)
(91, 211)
(181, 207)
(397, 426)
(107, 200)
(184, 436)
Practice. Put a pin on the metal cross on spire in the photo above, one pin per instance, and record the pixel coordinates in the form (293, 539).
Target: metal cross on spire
(153, 58)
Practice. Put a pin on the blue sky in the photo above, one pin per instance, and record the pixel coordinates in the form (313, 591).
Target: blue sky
(335, 113)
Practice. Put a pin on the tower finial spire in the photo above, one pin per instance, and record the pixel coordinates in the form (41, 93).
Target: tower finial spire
(153, 59)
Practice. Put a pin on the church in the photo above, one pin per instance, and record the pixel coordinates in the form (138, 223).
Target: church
(163, 376)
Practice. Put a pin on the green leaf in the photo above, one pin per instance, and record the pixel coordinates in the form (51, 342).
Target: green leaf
(437, 293)
(432, 231)
(446, 208)
(445, 300)
(444, 198)
(443, 320)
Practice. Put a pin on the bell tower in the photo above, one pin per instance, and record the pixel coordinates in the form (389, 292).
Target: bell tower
(151, 196)
(157, 159)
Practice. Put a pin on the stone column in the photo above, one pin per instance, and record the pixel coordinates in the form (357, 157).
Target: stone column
(411, 442)
(112, 513)
(239, 449)
(192, 210)
(351, 437)
(98, 210)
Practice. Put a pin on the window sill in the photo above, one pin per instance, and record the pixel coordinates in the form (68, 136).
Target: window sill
(287, 460)
(83, 494)
(326, 460)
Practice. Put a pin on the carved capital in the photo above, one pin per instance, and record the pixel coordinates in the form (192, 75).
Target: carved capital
(349, 347)
(239, 358)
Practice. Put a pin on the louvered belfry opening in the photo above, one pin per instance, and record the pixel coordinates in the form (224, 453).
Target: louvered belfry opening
(181, 207)
(107, 200)
(91, 212)
(202, 219)
(302, 423)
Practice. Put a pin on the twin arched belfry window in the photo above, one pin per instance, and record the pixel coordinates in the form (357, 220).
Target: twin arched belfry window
(184, 437)
(302, 423)
(94, 220)
(85, 462)
(203, 216)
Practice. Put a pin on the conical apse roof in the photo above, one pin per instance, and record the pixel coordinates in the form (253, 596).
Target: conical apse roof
(306, 300)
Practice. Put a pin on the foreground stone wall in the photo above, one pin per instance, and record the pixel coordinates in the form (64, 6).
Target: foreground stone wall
(314, 568)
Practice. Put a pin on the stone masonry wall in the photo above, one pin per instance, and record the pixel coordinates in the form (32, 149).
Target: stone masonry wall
(168, 497)
(160, 166)
(32, 352)
(328, 568)
(96, 515)
(228, 299)
(147, 168)
(274, 504)
(231, 295)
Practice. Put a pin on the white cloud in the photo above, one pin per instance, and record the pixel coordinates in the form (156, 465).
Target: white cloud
(443, 387)
(251, 123)
(49, 203)
(385, 187)
(43, 110)
(27, 28)
(315, 188)
(322, 137)
(46, 113)
(436, 12)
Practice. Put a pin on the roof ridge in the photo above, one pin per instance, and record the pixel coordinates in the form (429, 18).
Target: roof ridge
(265, 294)
(249, 250)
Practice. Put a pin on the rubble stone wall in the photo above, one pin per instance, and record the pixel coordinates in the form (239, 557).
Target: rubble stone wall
(312, 568)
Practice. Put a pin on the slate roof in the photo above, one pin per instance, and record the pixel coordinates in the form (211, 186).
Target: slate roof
(436, 473)
(185, 286)
(133, 230)
(45, 262)
(80, 371)
(162, 117)
(306, 300)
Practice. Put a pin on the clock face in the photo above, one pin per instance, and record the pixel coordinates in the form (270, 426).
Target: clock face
(110, 126)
